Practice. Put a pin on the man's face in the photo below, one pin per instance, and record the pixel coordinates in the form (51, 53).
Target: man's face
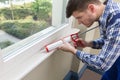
(86, 17)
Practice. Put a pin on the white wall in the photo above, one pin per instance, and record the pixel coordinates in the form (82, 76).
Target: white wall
(53, 68)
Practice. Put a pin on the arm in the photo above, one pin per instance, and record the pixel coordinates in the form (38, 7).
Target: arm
(96, 44)
(108, 54)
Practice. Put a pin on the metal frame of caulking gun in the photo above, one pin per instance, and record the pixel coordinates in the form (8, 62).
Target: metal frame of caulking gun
(76, 36)
(71, 37)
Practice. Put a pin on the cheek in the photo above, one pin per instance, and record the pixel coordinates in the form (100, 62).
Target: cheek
(87, 19)
(90, 19)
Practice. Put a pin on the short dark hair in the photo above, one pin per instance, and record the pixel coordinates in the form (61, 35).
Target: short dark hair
(78, 5)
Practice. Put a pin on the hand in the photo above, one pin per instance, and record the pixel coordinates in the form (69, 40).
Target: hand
(82, 43)
(67, 47)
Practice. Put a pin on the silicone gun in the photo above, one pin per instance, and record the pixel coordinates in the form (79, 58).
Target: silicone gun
(72, 38)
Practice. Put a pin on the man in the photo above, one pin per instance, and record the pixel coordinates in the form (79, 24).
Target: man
(108, 16)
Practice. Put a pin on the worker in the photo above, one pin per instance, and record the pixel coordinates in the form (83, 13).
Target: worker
(107, 14)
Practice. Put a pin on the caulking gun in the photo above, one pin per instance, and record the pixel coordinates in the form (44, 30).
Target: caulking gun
(72, 37)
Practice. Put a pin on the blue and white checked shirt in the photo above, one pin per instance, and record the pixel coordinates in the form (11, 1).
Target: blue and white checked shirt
(109, 42)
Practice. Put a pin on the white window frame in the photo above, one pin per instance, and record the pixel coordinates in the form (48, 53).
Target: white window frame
(10, 51)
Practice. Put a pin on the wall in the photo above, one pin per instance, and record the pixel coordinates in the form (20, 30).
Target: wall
(53, 68)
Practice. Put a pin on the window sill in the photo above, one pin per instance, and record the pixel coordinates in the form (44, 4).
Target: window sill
(17, 67)
(23, 68)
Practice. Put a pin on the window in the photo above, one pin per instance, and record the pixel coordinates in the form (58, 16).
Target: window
(27, 22)
(20, 19)
(22, 57)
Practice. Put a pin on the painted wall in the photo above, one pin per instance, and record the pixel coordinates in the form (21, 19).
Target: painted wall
(53, 68)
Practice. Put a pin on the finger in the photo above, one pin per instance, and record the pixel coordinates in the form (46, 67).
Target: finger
(79, 39)
(80, 44)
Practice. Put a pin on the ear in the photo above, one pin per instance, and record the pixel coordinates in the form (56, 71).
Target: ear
(91, 8)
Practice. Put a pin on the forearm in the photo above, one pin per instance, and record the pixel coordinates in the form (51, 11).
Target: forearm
(73, 51)
(89, 44)
(106, 58)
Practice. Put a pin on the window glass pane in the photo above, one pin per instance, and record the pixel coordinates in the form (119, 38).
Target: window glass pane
(20, 19)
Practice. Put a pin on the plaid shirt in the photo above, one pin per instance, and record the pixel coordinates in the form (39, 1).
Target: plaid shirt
(109, 42)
